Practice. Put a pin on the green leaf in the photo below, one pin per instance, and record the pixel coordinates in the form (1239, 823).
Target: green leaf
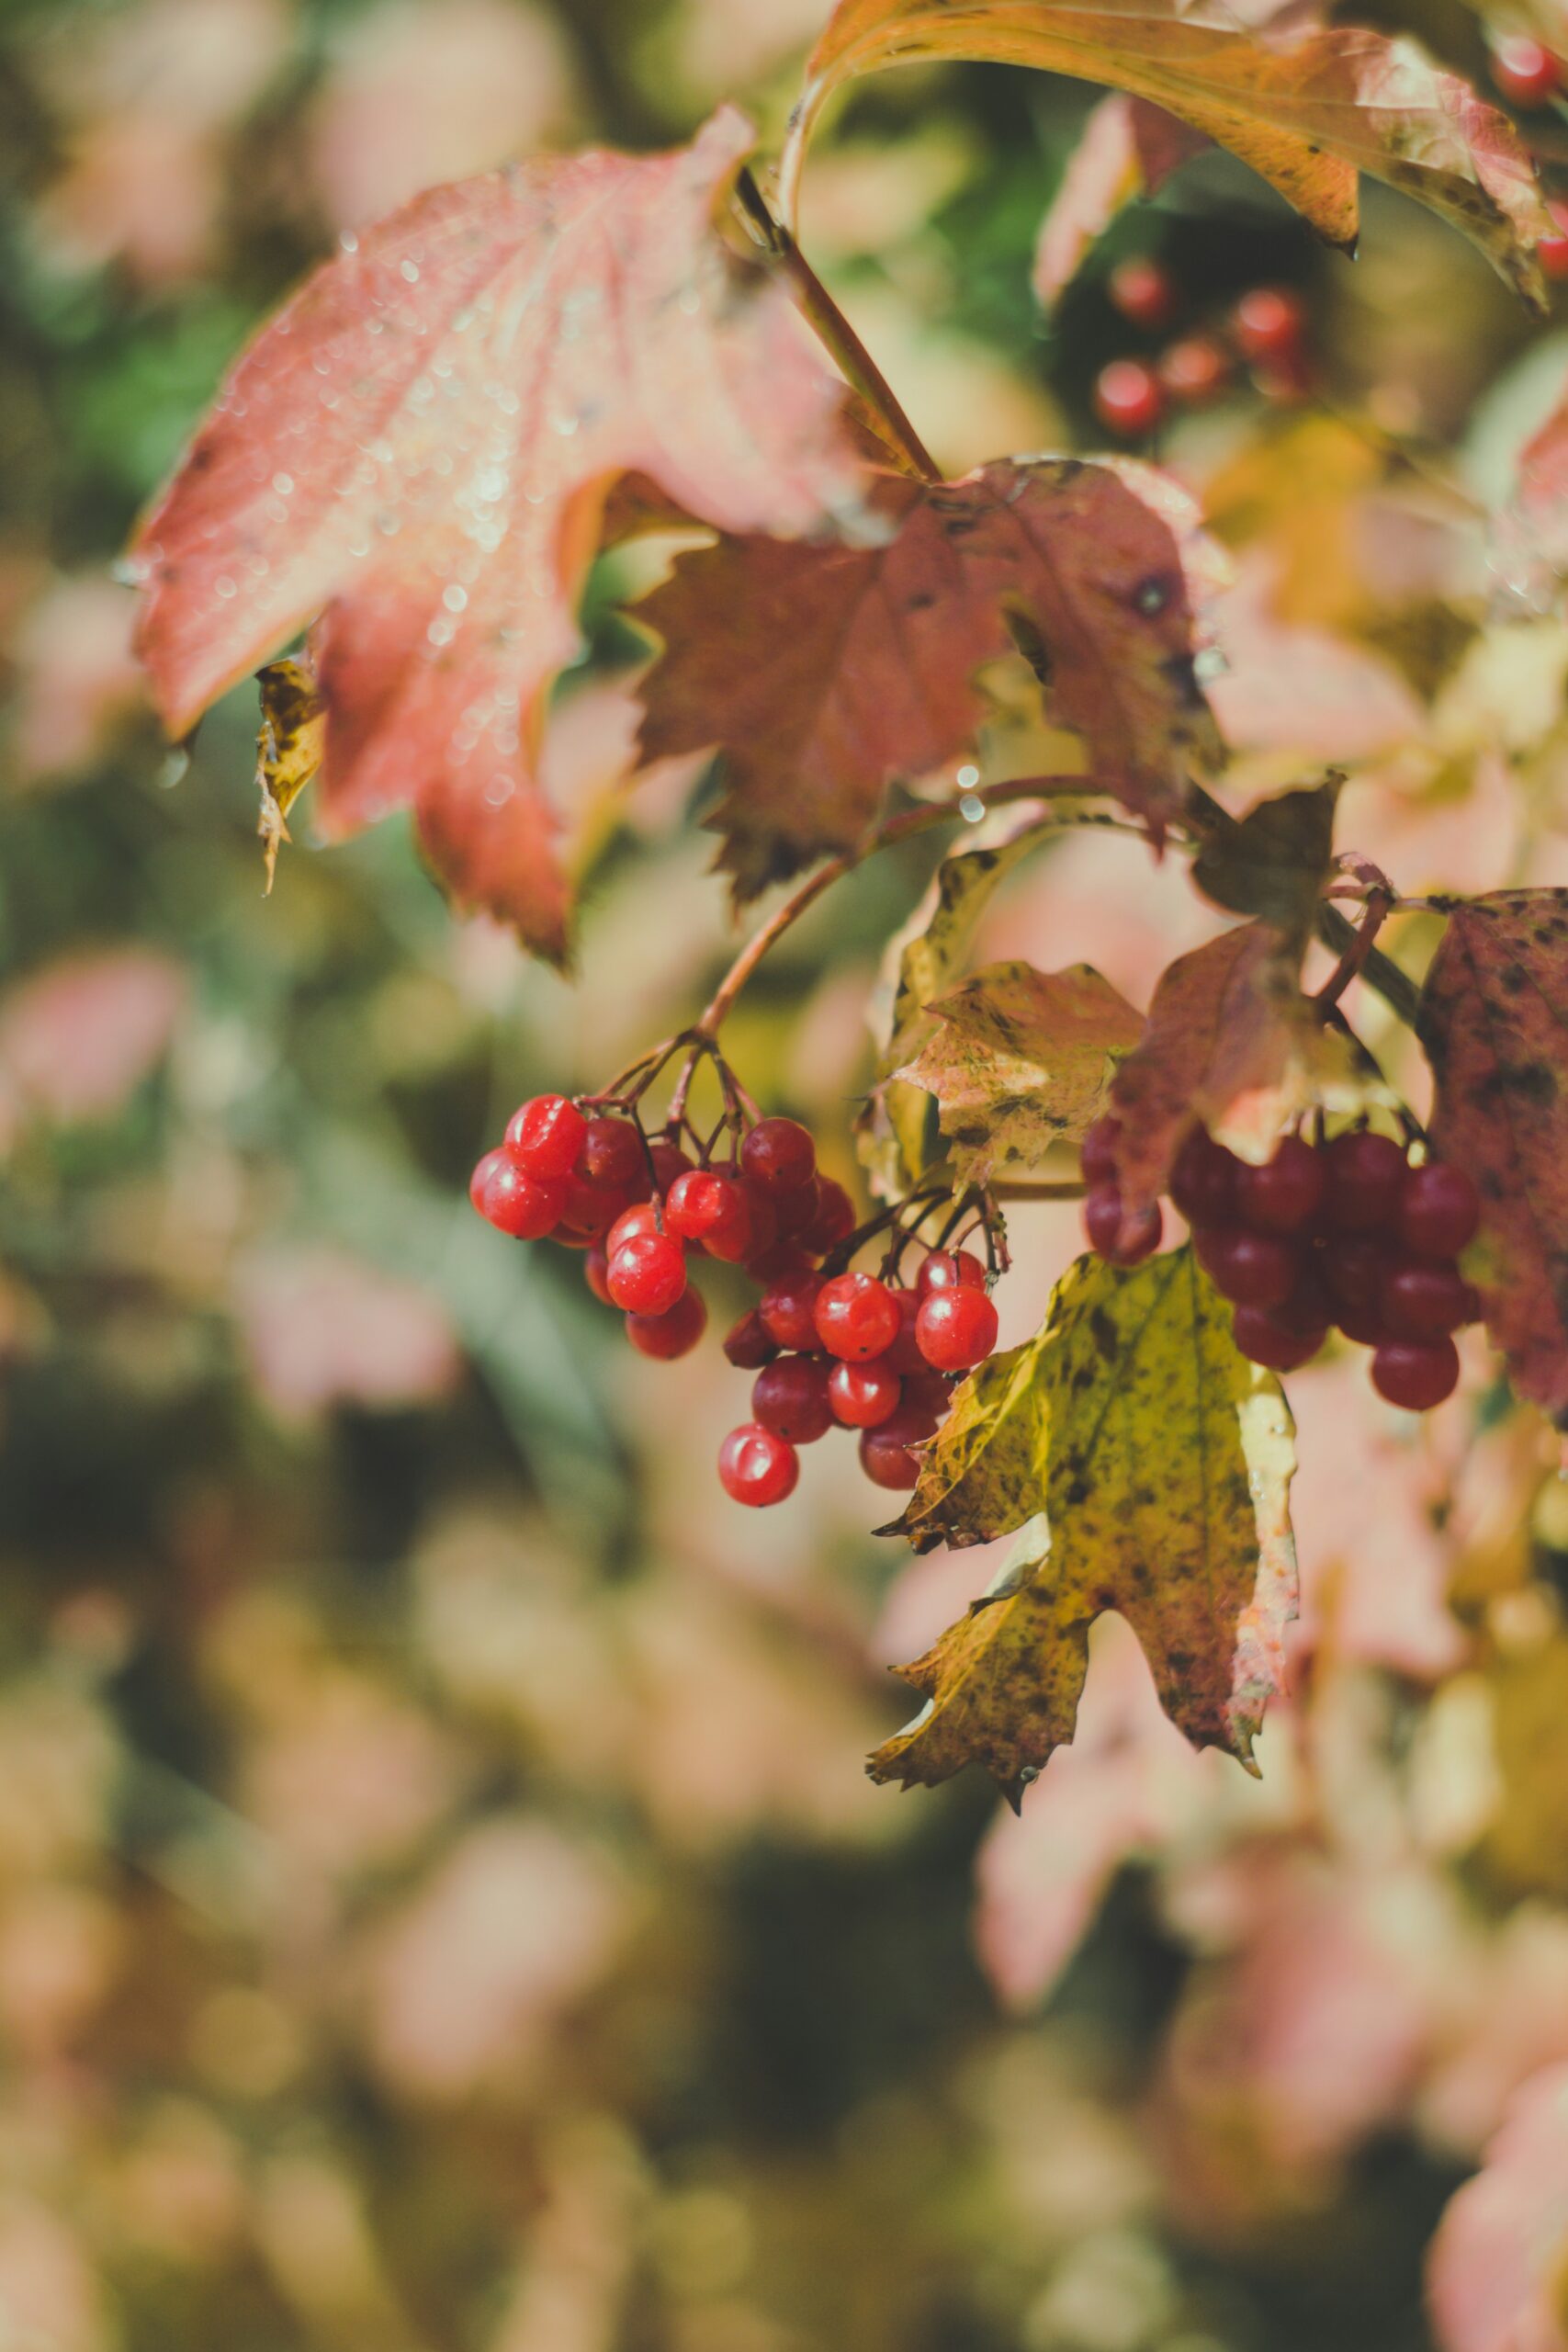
(1161, 1460)
(1274, 860)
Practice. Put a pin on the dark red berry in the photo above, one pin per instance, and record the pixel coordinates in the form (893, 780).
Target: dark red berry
(1102, 1218)
(749, 1344)
(1416, 1373)
(547, 1134)
(643, 1216)
(596, 1275)
(1286, 1193)
(591, 1209)
(887, 1455)
(1098, 1153)
(796, 1210)
(757, 1468)
(783, 1258)
(1365, 1175)
(857, 1317)
(1275, 1344)
(1552, 251)
(763, 1216)
(1362, 1321)
(1143, 291)
(1353, 1266)
(780, 1154)
(1439, 1210)
(929, 1393)
(788, 1310)
(507, 1196)
(670, 1161)
(1125, 1241)
(864, 1395)
(957, 1328)
(612, 1154)
(833, 1221)
(790, 1397)
(648, 1273)
(1128, 400)
(947, 1269)
(1193, 370)
(1250, 1269)
(1421, 1300)
(1269, 323)
(904, 1355)
(705, 1206)
(674, 1333)
(1526, 73)
(1202, 1179)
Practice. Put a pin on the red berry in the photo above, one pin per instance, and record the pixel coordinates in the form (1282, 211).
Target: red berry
(1275, 1344)
(1552, 251)
(1269, 323)
(757, 1468)
(750, 1345)
(784, 1258)
(1128, 400)
(1286, 1193)
(780, 1154)
(928, 1393)
(857, 1317)
(1439, 1210)
(674, 1333)
(670, 1161)
(646, 1274)
(1202, 1179)
(591, 1209)
(1423, 1301)
(904, 1356)
(864, 1395)
(1365, 1175)
(1102, 1218)
(1250, 1269)
(1416, 1373)
(1526, 73)
(1353, 1266)
(796, 1209)
(1124, 1240)
(957, 1328)
(643, 1216)
(833, 1220)
(547, 1134)
(1144, 294)
(788, 1310)
(948, 1269)
(596, 1275)
(1193, 370)
(1098, 1153)
(1362, 1321)
(526, 1207)
(703, 1206)
(612, 1153)
(763, 1216)
(790, 1397)
(887, 1455)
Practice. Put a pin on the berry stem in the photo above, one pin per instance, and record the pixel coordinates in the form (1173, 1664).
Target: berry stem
(1378, 906)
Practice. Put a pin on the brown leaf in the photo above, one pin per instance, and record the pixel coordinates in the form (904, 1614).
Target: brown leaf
(422, 443)
(289, 749)
(1495, 1023)
(1307, 109)
(1275, 861)
(824, 672)
(1021, 1060)
(1161, 1463)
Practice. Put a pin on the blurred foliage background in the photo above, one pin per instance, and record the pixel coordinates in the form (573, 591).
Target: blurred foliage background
(441, 1909)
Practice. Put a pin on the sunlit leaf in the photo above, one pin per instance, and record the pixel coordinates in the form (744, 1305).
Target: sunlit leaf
(289, 749)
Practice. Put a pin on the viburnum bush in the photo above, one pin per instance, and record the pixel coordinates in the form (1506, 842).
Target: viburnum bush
(417, 464)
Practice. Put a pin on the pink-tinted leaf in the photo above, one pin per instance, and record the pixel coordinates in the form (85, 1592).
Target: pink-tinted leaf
(1127, 149)
(1494, 2276)
(419, 448)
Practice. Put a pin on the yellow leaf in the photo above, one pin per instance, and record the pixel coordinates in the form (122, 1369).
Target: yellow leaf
(289, 749)
(1161, 1462)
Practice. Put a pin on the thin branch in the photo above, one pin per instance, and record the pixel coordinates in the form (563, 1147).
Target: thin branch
(1379, 972)
(1353, 961)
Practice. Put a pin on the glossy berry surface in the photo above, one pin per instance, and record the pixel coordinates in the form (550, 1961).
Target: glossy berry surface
(780, 1154)
(507, 1196)
(1423, 1301)
(1250, 1269)
(833, 1220)
(1102, 1218)
(643, 1216)
(788, 1310)
(864, 1395)
(758, 1469)
(596, 1275)
(857, 1317)
(673, 1334)
(1269, 1340)
(1525, 72)
(547, 1134)
(591, 1209)
(1128, 400)
(670, 1161)
(749, 1344)
(1416, 1373)
(1269, 323)
(1286, 1193)
(904, 1355)
(648, 1273)
(1144, 293)
(1365, 1175)
(790, 1397)
(1439, 1210)
(703, 1206)
(957, 1328)
(949, 1269)
(1353, 1266)
(612, 1153)
(885, 1455)
(1202, 1179)
(1123, 1239)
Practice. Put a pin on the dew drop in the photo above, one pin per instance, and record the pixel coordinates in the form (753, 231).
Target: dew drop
(283, 484)
(224, 587)
(348, 243)
(455, 598)
(411, 271)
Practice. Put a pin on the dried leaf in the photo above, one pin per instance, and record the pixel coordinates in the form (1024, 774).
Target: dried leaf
(1162, 1461)
(1275, 861)
(1497, 2267)
(1495, 1023)
(422, 444)
(1127, 150)
(1529, 539)
(1021, 1060)
(289, 749)
(824, 672)
(1308, 109)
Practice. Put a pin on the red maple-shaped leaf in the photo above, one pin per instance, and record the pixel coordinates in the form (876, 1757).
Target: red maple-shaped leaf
(419, 448)
(825, 670)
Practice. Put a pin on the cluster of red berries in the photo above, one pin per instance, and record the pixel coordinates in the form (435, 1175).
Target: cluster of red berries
(1347, 1234)
(1266, 330)
(1523, 71)
(830, 1347)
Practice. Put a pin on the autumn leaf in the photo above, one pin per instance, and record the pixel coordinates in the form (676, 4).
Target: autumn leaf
(289, 750)
(1529, 537)
(419, 448)
(1308, 109)
(1021, 1060)
(826, 671)
(1126, 149)
(1230, 1042)
(1162, 1461)
(1495, 1023)
(1275, 861)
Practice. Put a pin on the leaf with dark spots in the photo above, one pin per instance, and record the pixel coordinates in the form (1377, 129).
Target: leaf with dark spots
(1153, 1466)
(1495, 1023)
(824, 672)
(1275, 861)
(289, 749)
